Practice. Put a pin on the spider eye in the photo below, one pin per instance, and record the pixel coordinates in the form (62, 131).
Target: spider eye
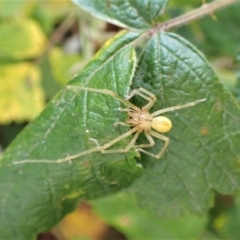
(161, 124)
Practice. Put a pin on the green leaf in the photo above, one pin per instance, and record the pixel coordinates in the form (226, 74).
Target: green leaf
(123, 213)
(34, 196)
(203, 154)
(131, 14)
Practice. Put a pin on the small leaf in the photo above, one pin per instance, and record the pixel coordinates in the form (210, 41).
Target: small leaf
(131, 14)
(204, 151)
(45, 192)
(21, 99)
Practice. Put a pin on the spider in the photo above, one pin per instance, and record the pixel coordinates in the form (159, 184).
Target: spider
(139, 119)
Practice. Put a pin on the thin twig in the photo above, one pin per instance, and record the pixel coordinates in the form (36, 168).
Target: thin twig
(205, 9)
(58, 34)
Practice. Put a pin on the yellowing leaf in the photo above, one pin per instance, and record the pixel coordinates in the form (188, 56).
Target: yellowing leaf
(21, 96)
(81, 224)
(57, 8)
(21, 39)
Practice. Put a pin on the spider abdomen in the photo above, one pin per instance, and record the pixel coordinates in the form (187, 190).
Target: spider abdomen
(161, 124)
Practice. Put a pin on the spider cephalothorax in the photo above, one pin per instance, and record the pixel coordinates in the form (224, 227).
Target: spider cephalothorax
(140, 118)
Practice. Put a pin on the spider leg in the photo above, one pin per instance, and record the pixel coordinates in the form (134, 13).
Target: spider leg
(125, 110)
(123, 124)
(159, 136)
(130, 144)
(170, 109)
(96, 149)
(106, 92)
(150, 97)
(61, 160)
(146, 145)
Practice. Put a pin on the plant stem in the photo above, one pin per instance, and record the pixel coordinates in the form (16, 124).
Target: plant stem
(208, 8)
(57, 35)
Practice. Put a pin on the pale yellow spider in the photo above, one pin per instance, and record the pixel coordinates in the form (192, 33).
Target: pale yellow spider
(139, 119)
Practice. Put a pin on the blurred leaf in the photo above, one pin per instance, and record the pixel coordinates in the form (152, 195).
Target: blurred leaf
(80, 224)
(9, 132)
(122, 212)
(227, 224)
(49, 84)
(131, 14)
(45, 192)
(11, 8)
(237, 89)
(50, 13)
(228, 78)
(224, 68)
(204, 152)
(93, 34)
(185, 4)
(21, 39)
(43, 17)
(209, 236)
(62, 65)
(55, 8)
(225, 217)
(21, 96)
(221, 36)
(237, 86)
(216, 34)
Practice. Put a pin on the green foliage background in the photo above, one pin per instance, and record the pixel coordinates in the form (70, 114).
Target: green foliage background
(175, 192)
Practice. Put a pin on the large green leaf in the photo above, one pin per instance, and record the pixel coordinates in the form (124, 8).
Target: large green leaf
(204, 148)
(131, 14)
(34, 196)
